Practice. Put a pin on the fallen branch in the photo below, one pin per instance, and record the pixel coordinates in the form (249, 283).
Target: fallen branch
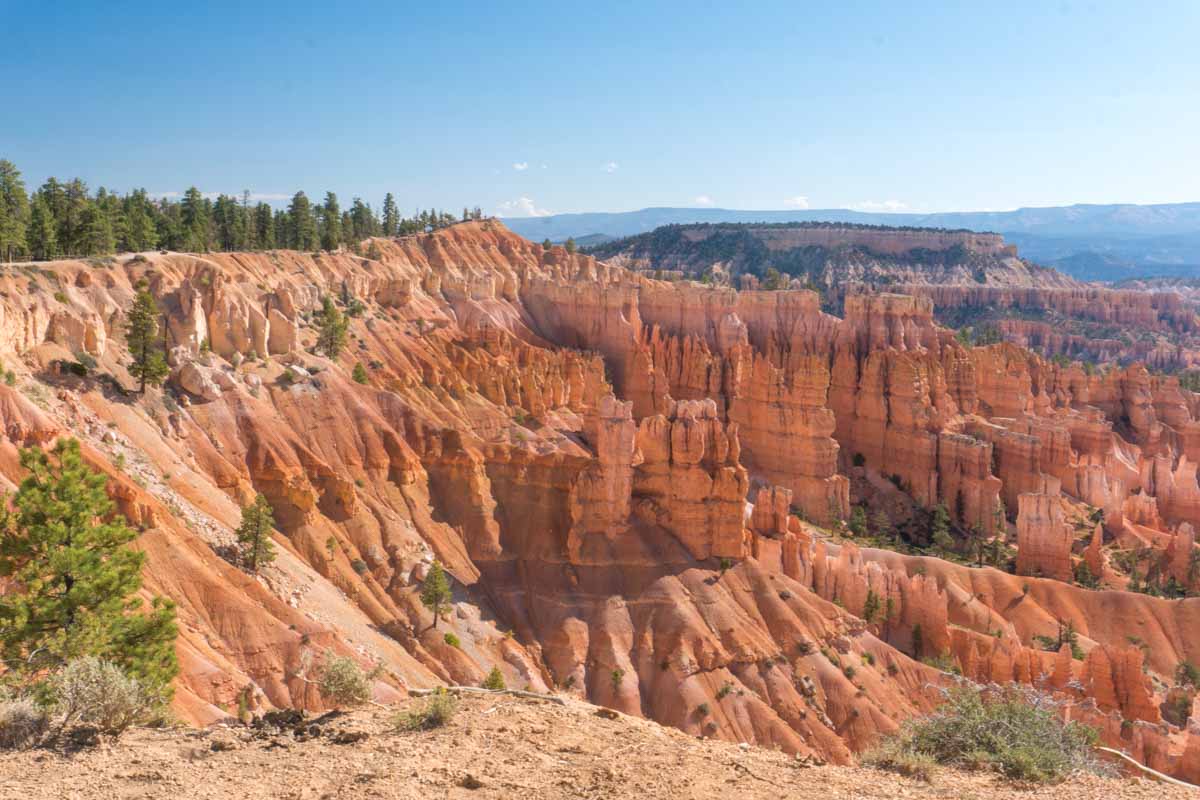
(1143, 768)
(477, 690)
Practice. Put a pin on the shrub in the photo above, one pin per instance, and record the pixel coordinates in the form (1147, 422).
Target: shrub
(703, 710)
(1014, 731)
(436, 711)
(451, 640)
(849, 671)
(494, 680)
(725, 689)
(22, 723)
(342, 681)
(89, 691)
(10, 378)
(360, 373)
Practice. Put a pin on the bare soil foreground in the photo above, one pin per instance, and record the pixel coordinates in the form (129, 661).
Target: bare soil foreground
(494, 747)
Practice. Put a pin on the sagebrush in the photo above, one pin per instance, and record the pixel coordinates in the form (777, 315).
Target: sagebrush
(1015, 731)
(434, 712)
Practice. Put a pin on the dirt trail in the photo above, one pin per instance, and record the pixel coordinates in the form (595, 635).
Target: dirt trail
(502, 746)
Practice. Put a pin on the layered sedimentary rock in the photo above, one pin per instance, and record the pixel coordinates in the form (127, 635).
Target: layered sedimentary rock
(613, 470)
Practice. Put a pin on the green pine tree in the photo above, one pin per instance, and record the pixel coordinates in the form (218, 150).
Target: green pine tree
(14, 212)
(41, 236)
(570, 245)
(254, 534)
(302, 225)
(940, 529)
(360, 374)
(391, 216)
(871, 606)
(858, 521)
(331, 223)
(195, 220)
(435, 592)
(881, 526)
(494, 680)
(332, 326)
(95, 235)
(141, 334)
(73, 581)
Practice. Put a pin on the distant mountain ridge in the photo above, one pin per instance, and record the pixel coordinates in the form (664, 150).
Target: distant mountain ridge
(1094, 242)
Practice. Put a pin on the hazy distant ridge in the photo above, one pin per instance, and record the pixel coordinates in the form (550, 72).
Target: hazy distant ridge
(1107, 242)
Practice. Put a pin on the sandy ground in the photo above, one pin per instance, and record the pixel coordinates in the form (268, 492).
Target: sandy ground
(495, 747)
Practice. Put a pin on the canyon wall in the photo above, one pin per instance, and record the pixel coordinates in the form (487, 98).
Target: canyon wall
(620, 474)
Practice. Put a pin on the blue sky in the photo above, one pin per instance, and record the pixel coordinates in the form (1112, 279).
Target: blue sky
(534, 107)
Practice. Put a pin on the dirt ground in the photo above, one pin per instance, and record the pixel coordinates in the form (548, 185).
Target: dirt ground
(495, 747)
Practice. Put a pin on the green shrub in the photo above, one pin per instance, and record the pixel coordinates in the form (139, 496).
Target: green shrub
(1013, 731)
(451, 640)
(341, 680)
(436, 711)
(22, 723)
(494, 680)
(359, 374)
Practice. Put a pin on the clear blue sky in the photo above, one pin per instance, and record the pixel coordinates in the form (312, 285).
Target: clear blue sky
(613, 106)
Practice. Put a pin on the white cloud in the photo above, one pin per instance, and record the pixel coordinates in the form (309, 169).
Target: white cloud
(702, 200)
(521, 207)
(880, 205)
(796, 201)
(521, 166)
(611, 167)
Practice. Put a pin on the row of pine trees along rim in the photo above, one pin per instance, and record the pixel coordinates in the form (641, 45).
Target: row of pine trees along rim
(65, 219)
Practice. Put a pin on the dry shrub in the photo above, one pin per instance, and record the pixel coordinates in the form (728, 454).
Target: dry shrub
(22, 723)
(96, 693)
(1015, 731)
(436, 711)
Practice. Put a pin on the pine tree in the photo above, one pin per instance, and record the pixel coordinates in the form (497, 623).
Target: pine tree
(254, 534)
(14, 212)
(546, 245)
(331, 223)
(95, 233)
(570, 245)
(881, 526)
(73, 582)
(360, 374)
(141, 232)
(41, 236)
(264, 228)
(332, 325)
(194, 217)
(871, 606)
(494, 680)
(302, 226)
(918, 640)
(141, 335)
(391, 216)
(435, 592)
(940, 529)
(858, 521)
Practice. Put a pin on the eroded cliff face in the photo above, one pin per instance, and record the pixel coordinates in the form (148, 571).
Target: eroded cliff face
(615, 471)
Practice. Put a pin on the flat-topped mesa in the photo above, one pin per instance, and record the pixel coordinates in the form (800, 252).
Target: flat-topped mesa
(887, 241)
